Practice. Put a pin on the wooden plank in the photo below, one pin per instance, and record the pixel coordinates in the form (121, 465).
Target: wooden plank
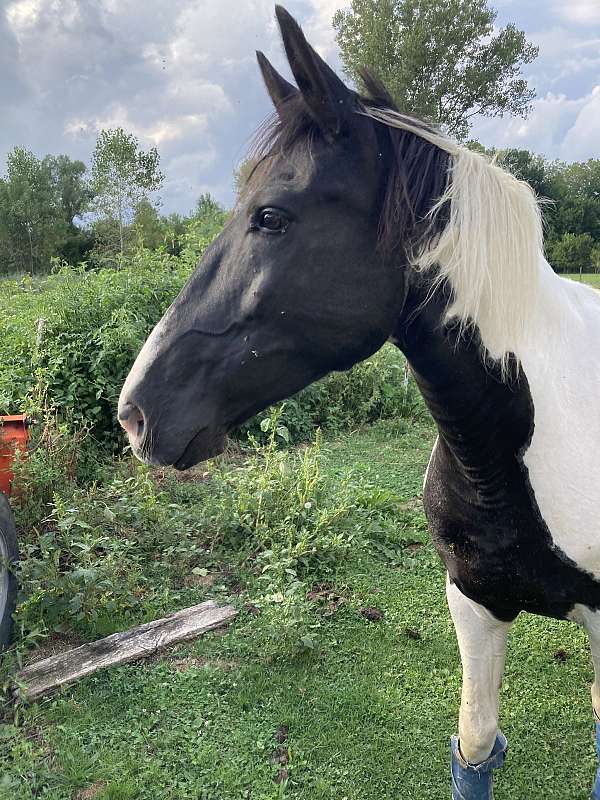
(47, 675)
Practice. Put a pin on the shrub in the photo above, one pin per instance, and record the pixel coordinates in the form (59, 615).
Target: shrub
(121, 550)
(94, 323)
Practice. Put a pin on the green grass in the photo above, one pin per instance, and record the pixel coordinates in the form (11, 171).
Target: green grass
(369, 708)
(593, 279)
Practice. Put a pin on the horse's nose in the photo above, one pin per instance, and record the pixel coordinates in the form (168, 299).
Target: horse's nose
(132, 419)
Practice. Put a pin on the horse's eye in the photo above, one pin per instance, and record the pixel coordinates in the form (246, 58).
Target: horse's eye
(271, 220)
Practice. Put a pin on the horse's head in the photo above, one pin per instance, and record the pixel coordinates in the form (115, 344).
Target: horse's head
(298, 283)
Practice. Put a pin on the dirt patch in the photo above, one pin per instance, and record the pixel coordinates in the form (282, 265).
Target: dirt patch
(281, 776)
(89, 792)
(197, 474)
(281, 755)
(326, 596)
(205, 581)
(371, 613)
(59, 643)
(281, 734)
(561, 656)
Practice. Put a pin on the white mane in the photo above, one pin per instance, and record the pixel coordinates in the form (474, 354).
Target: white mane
(491, 250)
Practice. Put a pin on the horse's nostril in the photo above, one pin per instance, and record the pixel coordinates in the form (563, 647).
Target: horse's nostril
(132, 419)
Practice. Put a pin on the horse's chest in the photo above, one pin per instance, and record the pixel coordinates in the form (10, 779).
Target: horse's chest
(502, 554)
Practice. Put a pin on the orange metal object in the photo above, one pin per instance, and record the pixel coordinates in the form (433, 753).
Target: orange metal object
(14, 435)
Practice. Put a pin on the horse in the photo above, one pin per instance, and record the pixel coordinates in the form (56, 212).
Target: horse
(360, 224)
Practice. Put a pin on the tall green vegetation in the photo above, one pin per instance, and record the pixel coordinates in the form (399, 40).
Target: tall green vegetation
(441, 59)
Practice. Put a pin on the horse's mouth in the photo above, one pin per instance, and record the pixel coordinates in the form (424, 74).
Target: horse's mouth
(207, 443)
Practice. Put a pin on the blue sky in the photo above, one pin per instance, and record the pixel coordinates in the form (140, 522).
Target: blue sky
(182, 76)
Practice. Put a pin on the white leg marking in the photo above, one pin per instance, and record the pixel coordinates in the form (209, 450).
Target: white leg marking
(591, 622)
(482, 643)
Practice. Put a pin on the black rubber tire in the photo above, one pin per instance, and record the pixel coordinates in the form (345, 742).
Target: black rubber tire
(9, 554)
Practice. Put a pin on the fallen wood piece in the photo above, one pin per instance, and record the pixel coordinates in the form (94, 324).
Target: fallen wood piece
(47, 675)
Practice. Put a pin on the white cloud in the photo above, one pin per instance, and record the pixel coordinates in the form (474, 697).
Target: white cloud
(181, 75)
(158, 133)
(23, 13)
(318, 28)
(558, 126)
(583, 137)
(583, 12)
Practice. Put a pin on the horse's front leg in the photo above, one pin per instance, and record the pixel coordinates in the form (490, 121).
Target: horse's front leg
(591, 622)
(480, 746)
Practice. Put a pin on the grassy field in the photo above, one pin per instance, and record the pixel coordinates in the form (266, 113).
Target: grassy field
(593, 279)
(363, 711)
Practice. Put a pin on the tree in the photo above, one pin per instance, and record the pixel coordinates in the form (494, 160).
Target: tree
(149, 228)
(580, 187)
(175, 227)
(241, 175)
(574, 252)
(73, 196)
(438, 58)
(31, 217)
(122, 176)
(203, 225)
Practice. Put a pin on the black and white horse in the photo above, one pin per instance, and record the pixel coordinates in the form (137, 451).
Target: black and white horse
(361, 224)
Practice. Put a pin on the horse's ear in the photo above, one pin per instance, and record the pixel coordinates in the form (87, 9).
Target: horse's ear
(278, 88)
(328, 98)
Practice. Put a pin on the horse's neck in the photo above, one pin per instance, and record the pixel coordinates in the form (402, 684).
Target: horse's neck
(480, 418)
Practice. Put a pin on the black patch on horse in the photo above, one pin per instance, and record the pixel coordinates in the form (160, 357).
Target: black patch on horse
(482, 513)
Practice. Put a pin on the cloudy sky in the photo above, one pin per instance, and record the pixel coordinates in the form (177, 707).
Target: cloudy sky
(181, 75)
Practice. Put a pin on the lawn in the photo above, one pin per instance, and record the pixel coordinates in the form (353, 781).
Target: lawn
(364, 712)
(593, 279)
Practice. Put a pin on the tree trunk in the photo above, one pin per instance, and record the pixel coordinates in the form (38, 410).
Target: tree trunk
(30, 249)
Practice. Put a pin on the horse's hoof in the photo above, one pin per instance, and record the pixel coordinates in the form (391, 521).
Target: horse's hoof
(474, 781)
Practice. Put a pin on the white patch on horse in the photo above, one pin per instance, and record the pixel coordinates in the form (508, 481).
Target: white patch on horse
(562, 366)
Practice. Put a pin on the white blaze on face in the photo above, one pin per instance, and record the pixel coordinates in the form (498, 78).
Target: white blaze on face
(145, 357)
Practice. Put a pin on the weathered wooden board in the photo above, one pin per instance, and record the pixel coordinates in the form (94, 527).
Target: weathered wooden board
(47, 675)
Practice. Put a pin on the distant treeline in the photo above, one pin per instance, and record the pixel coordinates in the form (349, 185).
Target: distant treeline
(55, 208)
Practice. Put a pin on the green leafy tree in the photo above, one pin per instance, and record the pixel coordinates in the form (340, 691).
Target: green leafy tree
(122, 175)
(174, 227)
(573, 252)
(529, 167)
(149, 227)
(73, 196)
(32, 225)
(202, 226)
(579, 185)
(441, 59)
